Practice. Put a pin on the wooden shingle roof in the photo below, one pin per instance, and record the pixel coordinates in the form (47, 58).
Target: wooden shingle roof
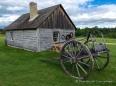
(23, 21)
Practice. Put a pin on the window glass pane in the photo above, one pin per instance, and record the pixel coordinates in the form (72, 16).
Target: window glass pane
(11, 36)
(55, 36)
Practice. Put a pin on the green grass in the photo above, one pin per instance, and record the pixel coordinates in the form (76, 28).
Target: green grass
(21, 68)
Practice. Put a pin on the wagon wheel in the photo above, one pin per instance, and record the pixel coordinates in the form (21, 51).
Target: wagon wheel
(71, 55)
(101, 60)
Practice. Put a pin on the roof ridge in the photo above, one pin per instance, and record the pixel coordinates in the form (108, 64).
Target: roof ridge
(45, 8)
(50, 7)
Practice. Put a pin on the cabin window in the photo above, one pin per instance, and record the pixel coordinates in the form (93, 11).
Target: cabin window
(55, 36)
(11, 33)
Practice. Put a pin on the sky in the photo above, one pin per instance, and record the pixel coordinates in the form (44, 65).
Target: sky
(83, 13)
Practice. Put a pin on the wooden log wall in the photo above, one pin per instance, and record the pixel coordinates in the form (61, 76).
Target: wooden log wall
(58, 19)
(25, 39)
(46, 37)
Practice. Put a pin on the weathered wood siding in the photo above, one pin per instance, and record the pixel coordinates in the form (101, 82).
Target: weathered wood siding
(30, 40)
(26, 39)
(65, 33)
(58, 19)
(17, 38)
(35, 40)
(46, 37)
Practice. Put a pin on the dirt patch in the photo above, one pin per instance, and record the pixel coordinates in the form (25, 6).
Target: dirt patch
(111, 43)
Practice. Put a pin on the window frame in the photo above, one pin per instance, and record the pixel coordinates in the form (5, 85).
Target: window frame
(56, 36)
(11, 34)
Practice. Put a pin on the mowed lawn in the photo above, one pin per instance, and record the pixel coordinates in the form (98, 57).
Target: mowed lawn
(108, 40)
(21, 68)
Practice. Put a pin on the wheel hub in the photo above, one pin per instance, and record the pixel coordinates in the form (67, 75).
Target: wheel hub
(73, 60)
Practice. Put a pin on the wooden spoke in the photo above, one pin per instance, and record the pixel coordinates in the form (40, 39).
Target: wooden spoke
(84, 64)
(69, 54)
(72, 50)
(100, 61)
(69, 66)
(96, 63)
(73, 69)
(71, 47)
(66, 48)
(79, 53)
(82, 68)
(66, 61)
(77, 70)
(88, 61)
(102, 57)
(65, 56)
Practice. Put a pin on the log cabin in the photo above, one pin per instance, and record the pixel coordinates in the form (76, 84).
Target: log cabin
(39, 29)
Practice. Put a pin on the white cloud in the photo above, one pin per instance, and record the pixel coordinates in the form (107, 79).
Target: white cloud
(43, 3)
(15, 8)
(14, 5)
(0, 6)
(6, 19)
(103, 15)
(110, 15)
(108, 7)
(12, 18)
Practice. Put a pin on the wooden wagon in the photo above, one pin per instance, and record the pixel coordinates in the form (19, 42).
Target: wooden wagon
(79, 59)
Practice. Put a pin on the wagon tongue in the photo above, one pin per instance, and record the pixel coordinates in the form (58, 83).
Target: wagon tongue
(50, 59)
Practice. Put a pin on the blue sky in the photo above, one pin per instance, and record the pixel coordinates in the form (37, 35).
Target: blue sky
(84, 13)
(102, 2)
